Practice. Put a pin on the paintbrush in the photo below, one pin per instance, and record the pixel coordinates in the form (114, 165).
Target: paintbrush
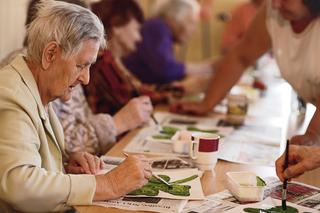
(156, 176)
(285, 183)
(136, 93)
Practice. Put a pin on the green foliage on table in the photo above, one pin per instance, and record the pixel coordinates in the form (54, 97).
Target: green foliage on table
(166, 133)
(196, 129)
(169, 130)
(155, 185)
(276, 209)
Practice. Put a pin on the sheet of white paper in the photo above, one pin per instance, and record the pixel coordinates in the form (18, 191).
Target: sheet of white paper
(259, 145)
(145, 204)
(196, 192)
(269, 203)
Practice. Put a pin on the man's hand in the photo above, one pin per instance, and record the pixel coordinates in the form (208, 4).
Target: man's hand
(84, 163)
(301, 159)
(135, 113)
(132, 174)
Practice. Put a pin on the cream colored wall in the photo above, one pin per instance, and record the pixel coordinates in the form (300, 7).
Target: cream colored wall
(12, 18)
(12, 30)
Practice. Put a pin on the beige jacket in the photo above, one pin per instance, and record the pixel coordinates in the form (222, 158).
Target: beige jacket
(31, 146)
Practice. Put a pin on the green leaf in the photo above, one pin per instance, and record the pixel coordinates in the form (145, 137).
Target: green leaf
(260, 181)
(162, 137)
(169, 130)
(185, 179)
(195, 129)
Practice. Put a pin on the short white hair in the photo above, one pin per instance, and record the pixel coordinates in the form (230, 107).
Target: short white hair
(177, 9)
(67, 24)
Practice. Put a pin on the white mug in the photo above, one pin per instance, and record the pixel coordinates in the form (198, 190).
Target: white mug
(204, 150)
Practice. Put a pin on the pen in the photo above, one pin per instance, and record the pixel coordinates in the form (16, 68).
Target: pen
(285, 183)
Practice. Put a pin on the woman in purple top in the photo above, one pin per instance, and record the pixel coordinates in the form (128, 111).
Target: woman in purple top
(154, 60)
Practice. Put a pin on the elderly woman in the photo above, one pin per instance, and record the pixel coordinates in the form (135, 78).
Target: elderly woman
(112, 85)
(63, 41)
(154, 61)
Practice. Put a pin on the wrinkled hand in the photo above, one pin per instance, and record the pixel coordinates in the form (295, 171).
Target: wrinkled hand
(194, 108)
(301, 159)
(84, 162)
(132, 174)
(308, 139)
(135, 113)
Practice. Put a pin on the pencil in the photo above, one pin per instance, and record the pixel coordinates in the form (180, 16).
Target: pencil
(154, 119)
(285, 183)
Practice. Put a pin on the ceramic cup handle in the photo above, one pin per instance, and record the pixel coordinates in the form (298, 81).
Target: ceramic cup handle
(192, 149)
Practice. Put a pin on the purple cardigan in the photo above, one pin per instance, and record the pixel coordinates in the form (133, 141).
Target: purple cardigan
(154, 61)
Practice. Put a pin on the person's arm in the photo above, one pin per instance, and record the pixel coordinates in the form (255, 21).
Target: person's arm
(312, 134)
(234, 30)
(134, 114)
(132, 174)
(301, 159)
(229, 69)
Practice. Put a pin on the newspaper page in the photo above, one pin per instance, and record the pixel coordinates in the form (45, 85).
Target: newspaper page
(266, 206)
(214, 203)
(298, 193)
(145, 204)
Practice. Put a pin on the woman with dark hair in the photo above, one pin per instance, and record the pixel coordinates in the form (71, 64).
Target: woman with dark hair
(291, 28)
(112, 85)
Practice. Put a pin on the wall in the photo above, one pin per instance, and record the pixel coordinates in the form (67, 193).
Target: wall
(12, 30)
(12, 18)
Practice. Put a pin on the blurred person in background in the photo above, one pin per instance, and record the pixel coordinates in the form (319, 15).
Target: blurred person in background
(112, 85)
(154, 61)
